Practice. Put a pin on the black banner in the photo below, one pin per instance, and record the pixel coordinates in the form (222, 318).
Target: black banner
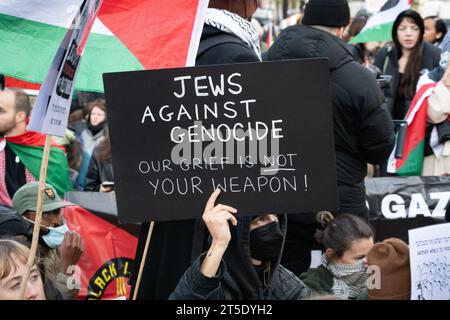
(398, 204)
(261, 132)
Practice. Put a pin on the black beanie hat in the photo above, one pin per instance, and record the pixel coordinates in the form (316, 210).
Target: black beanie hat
(329, 13)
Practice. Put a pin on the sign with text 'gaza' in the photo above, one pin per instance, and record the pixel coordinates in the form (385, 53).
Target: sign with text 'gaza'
(261, 132)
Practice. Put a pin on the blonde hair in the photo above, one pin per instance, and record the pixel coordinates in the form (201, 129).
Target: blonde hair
(11, 254)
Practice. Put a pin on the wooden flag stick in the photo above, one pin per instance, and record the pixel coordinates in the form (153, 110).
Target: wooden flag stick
(37, 222)
(144, 257)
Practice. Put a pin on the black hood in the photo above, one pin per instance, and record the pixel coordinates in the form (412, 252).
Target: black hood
(13, 225)
(209, 32)
(302, 42)
(239, 262)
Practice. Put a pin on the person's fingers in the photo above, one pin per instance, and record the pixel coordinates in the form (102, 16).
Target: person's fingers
(223, 216)
(233, 220)
(212, 200)
(221, 207)
(79, 242)
(76, 239)
(81, 245)
(68, 238)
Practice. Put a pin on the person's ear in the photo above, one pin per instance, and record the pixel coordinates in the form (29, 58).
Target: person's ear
(439, 35)
(20, 116)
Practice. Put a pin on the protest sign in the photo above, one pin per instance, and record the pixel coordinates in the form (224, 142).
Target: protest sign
(398, 204)
(51, 110)
(259, 131)
(430, 262)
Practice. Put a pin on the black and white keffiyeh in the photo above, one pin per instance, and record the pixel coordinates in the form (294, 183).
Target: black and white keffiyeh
(348, 280)
(232, 23)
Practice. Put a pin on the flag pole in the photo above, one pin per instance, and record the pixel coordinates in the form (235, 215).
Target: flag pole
(144, 257)
(37, 221)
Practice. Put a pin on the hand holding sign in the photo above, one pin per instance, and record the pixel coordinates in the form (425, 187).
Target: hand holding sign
(216, 220)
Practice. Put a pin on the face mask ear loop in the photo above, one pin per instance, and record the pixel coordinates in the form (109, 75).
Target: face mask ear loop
(42, 226)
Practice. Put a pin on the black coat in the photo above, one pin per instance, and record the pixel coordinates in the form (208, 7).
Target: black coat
(228, 52)
(363, 129)
(99, 171)
(176, 244)
(387, 61)
(237, 278)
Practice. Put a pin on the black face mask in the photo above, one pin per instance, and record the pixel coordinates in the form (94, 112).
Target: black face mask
(266, 241)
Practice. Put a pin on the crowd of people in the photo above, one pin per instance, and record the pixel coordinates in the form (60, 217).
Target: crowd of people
(226, 255)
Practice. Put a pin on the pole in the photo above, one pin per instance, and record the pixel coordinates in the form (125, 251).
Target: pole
(37, 222)
(144, 257)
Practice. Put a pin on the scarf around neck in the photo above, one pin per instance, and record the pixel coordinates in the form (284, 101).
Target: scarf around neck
(232, 23)
(349, 280)
(96, 129)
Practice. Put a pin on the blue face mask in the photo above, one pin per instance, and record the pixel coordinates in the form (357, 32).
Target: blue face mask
(56, 236)
(444, 60)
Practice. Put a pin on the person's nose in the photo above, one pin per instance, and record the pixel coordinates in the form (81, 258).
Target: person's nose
(56, 221)
(30, 292)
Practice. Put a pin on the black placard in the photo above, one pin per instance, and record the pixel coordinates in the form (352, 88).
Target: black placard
(262, 132)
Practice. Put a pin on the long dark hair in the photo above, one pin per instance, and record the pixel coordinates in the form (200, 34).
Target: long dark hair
(105, 147)
(408, 84)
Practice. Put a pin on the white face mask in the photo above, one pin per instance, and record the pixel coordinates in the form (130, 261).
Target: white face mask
(56, 236)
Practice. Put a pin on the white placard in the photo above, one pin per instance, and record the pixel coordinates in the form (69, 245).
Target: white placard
(430, 262)
(51, 110)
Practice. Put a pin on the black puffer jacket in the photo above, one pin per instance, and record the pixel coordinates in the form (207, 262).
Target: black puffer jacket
(387, 61)
(363, 129)
(237, 278)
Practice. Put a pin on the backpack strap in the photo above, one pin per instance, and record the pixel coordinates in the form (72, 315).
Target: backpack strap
(213, 41)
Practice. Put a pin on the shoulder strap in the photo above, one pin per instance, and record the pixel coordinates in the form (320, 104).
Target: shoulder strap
(213, 41)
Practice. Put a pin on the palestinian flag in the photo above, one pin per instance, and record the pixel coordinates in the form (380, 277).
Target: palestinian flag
(126, 35)
(413, 151)
(379, 26)
(29, 147)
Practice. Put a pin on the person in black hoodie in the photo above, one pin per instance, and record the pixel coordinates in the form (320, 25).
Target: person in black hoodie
(363, 128)
(243, 261)
(227, 37)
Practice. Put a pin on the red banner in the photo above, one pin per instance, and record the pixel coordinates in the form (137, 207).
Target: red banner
(106, 262)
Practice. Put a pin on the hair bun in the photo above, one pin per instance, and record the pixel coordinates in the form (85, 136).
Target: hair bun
(324, 218)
